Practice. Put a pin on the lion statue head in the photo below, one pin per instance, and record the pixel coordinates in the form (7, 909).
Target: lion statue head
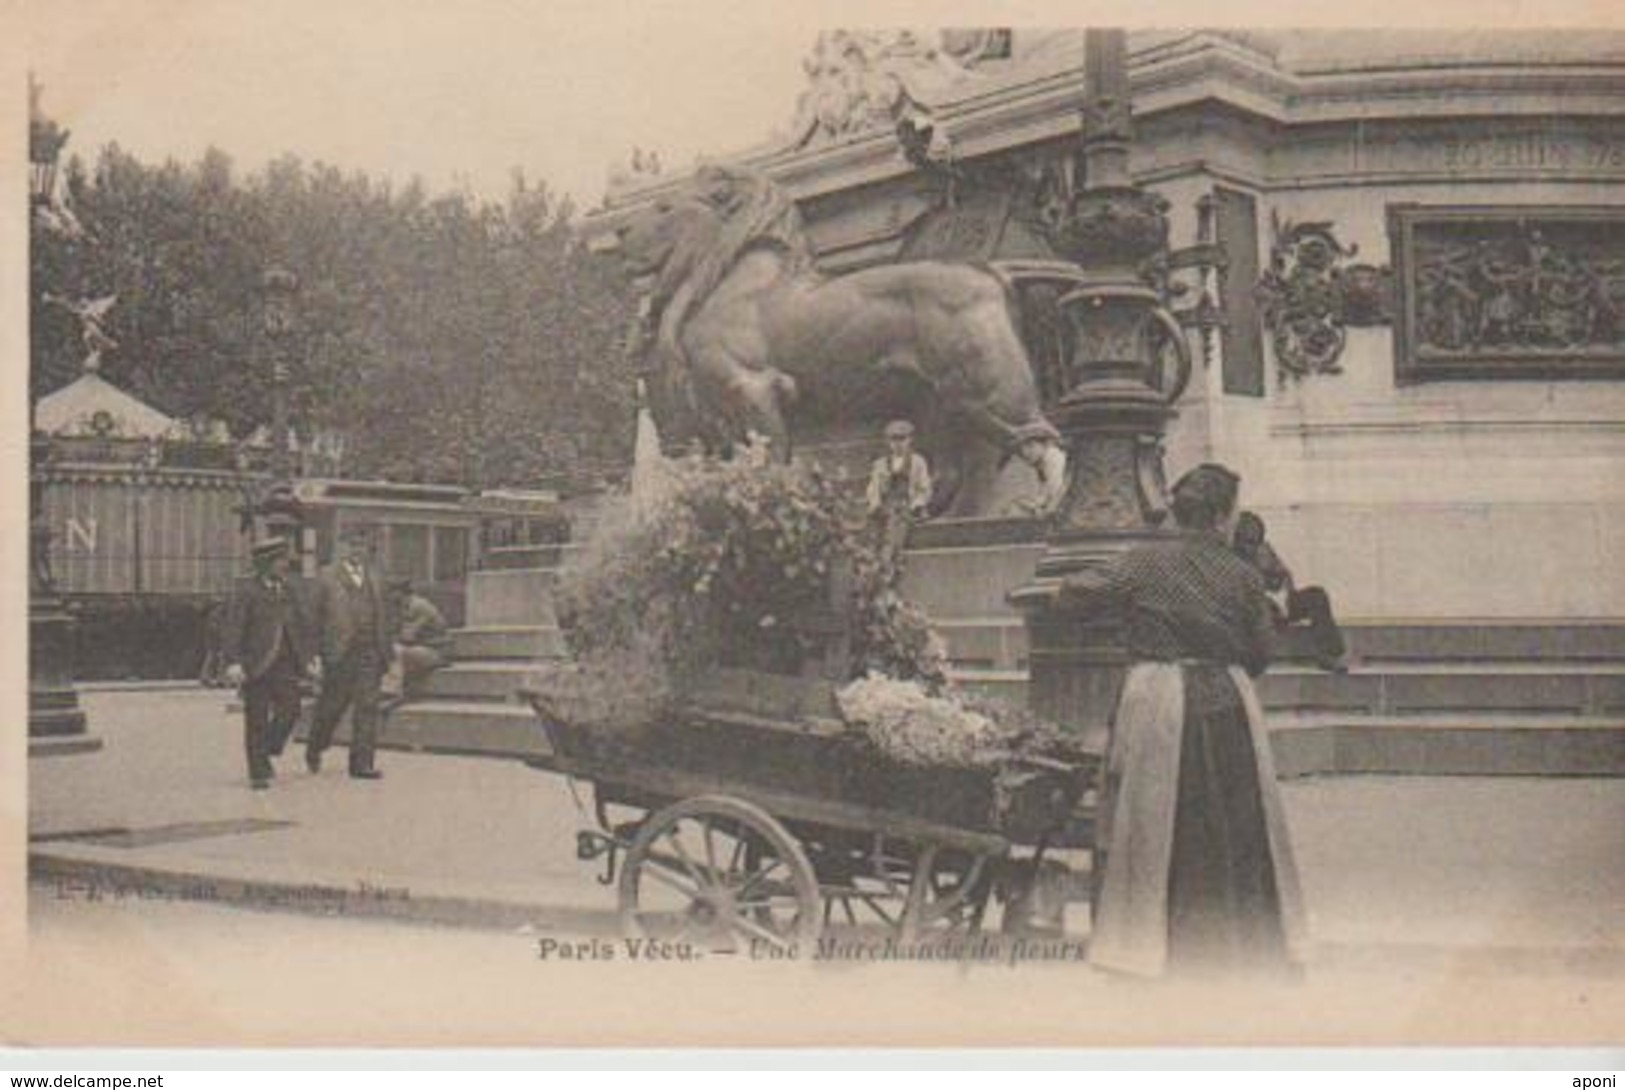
(690, 241)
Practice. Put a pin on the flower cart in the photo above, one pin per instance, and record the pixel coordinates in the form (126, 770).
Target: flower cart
(758, 814)
(758, 769)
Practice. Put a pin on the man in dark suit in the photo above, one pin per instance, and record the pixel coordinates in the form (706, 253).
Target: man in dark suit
(267, 646)
(353, 631)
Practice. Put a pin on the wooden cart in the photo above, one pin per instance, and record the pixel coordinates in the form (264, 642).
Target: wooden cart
(756, 818)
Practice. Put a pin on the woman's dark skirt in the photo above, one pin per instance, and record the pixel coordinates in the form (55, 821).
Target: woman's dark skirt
(1224, 911)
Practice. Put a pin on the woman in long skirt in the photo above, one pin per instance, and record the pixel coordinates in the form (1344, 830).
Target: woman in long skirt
(1198, 870)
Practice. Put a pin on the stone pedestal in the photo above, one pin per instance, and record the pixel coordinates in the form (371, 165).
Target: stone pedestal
(56, 723)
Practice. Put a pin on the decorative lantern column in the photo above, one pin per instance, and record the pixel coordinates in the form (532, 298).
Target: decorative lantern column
(1128, 363)
(280, 508)
(56, 723)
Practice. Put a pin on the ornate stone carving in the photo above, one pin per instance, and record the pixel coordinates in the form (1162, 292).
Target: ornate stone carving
(863, 80)
(1049, 184)
(925, 143)
(1526, 292)
(1004, 210)
(1365, 295)
(972, 45)
(92, 317)
(971, 231)
(1038, 186)
(1307, 297)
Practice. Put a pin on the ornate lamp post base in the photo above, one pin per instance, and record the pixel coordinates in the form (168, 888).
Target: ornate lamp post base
(1116, 499)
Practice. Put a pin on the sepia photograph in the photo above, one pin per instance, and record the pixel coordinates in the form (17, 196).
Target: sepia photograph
(700, 526)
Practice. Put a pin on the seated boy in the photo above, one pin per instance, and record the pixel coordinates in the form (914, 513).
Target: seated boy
(422, 644)
(1291, 604)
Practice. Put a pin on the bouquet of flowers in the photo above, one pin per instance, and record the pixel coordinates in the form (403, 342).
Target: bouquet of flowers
(915, 727)
(726, 568)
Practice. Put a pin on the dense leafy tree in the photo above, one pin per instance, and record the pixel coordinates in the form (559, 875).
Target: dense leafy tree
(446, 338)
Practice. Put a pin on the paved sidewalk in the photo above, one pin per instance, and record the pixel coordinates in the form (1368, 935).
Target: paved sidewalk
(1515, 870)
(466, 840)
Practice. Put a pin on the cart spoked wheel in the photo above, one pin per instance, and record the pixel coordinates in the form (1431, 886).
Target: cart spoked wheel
(948, 892)
(722, 874)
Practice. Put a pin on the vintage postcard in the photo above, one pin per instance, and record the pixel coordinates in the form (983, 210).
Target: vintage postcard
(612, 525)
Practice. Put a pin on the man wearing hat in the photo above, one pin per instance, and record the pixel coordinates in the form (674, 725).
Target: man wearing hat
(899, 493)
(267, 645)
(352, 629)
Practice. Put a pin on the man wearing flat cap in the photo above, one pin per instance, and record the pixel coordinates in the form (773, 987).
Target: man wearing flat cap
(899, 494)
(268, 648)
(352, 628)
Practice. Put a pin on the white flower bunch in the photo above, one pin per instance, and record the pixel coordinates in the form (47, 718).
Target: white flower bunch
(913, 727)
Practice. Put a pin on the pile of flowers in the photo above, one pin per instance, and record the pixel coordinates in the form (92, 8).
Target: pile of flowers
(613, 688)
(727, 568)
(914, 726)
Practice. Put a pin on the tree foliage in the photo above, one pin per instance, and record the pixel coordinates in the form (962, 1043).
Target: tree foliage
(446, 338)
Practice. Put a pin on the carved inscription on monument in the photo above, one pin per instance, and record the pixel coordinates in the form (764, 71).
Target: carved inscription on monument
(1453, 149)
(1509, 292)
(1531, 150)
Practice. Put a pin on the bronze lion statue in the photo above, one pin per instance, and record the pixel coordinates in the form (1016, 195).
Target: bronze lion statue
(739, 327)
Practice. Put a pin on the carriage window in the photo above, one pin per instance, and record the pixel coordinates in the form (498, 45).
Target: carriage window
(450, 554)
(500, 532)
(408, 552)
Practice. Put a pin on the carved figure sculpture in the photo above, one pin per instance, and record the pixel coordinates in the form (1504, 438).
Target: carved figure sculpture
(91, 313)
(739, 325)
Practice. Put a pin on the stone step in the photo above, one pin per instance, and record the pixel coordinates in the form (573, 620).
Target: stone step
(1489, 640)
(1303, 744)
(1448, 745)
(507, 557)
(1000, 642)
(523, 596)
(1404, 689)
(478, 681)
(476, 728)
(1440, 742)
(523, 642)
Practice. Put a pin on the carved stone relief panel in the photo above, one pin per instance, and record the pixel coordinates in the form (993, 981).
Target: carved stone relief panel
(1532, 291)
